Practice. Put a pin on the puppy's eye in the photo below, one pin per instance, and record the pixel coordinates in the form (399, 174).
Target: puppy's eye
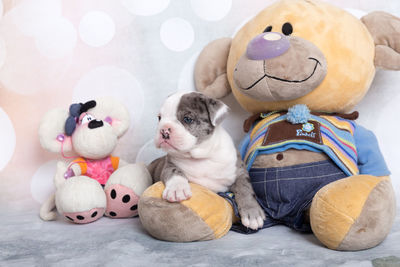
(159, 117)
(287, 28)
(187, 120)
(268, 29)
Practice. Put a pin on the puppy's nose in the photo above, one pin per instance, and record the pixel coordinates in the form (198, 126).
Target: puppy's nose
(267, 45)
(95, 124)
(165, 133)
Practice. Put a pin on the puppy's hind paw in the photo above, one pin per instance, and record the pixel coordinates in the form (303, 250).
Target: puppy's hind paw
(177, 189)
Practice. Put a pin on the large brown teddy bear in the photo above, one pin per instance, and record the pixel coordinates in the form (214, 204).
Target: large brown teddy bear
(298, 66)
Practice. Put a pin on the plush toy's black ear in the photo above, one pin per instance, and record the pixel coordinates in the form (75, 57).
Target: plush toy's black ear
(210, 70)
(88, 105)
(385, 30)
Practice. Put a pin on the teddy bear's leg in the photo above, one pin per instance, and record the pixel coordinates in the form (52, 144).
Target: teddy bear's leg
(354, 213)
(204, 216)
(80, 199)
(123, 189)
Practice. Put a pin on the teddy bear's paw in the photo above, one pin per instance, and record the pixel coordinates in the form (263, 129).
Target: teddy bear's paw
(177, 189)
(204, 216)
(84, 216)
(121, 201)
(253, 218)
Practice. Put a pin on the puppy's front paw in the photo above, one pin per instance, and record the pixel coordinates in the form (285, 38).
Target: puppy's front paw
(253, 218)
(177, 189)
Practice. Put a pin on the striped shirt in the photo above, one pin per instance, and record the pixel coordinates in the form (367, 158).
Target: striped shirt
(329, 134)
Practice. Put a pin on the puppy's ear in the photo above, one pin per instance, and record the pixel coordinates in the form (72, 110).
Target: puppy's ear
(210, 69)
(113, 112)
(217, 110)
(52, 133)
(385, 30)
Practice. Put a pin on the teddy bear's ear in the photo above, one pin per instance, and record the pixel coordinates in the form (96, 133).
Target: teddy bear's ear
(385, 30)
(113, 112)
(52, 134)
(210, 70)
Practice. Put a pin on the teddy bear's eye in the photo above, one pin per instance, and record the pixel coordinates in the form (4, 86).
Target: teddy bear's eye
(287, 28)
(268, 29)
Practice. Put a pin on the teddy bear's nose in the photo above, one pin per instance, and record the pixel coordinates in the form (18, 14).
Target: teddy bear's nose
(267, 45)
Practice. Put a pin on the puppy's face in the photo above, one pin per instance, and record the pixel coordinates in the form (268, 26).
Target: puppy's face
(186, 120)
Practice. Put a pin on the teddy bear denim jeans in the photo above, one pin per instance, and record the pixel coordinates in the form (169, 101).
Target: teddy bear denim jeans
(285, 193)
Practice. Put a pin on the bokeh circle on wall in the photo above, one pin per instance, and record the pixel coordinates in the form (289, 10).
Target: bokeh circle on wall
(186, 81)
(177, 34)
(57, 40)
(3, 52)
(42, 185)
(32, 16)
(145, 8)
(211, 10)
(7, 140)
(96, 28)
(149, 152)
(1, 8)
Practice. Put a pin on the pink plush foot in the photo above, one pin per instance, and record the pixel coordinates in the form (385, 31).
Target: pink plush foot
(84, 216)
(121, 202)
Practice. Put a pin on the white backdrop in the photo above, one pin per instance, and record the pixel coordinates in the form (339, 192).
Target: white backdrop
(55, 52)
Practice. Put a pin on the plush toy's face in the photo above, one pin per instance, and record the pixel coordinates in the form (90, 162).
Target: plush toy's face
(90, 130)
(93, 138)
(301, 52)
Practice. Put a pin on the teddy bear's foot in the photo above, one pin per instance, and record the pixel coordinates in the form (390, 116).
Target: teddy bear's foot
(121, 202)
(354, 213)
(85, 216)
(204, 216)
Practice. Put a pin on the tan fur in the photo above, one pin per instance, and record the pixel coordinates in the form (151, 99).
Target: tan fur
(385, 30)
(210, 69)
(179, 223)
(364, 233)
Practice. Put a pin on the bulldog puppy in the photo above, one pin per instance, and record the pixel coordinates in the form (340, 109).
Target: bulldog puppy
(200, 151)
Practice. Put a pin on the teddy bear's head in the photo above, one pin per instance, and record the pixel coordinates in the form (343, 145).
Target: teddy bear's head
(90, 130)
(300, 52)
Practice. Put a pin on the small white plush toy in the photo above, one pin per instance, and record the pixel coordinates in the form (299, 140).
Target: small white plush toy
(95, 183)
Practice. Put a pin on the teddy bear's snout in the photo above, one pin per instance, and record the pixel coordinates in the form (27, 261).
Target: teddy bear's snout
(267, 45)
(276, 67)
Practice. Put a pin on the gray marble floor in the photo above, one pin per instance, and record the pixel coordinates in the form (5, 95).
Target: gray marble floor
(25, 240)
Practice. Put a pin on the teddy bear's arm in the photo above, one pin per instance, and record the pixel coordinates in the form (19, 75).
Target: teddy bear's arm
(370, 158)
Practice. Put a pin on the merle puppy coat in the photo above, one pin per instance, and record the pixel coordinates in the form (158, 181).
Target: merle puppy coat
(200, 151)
